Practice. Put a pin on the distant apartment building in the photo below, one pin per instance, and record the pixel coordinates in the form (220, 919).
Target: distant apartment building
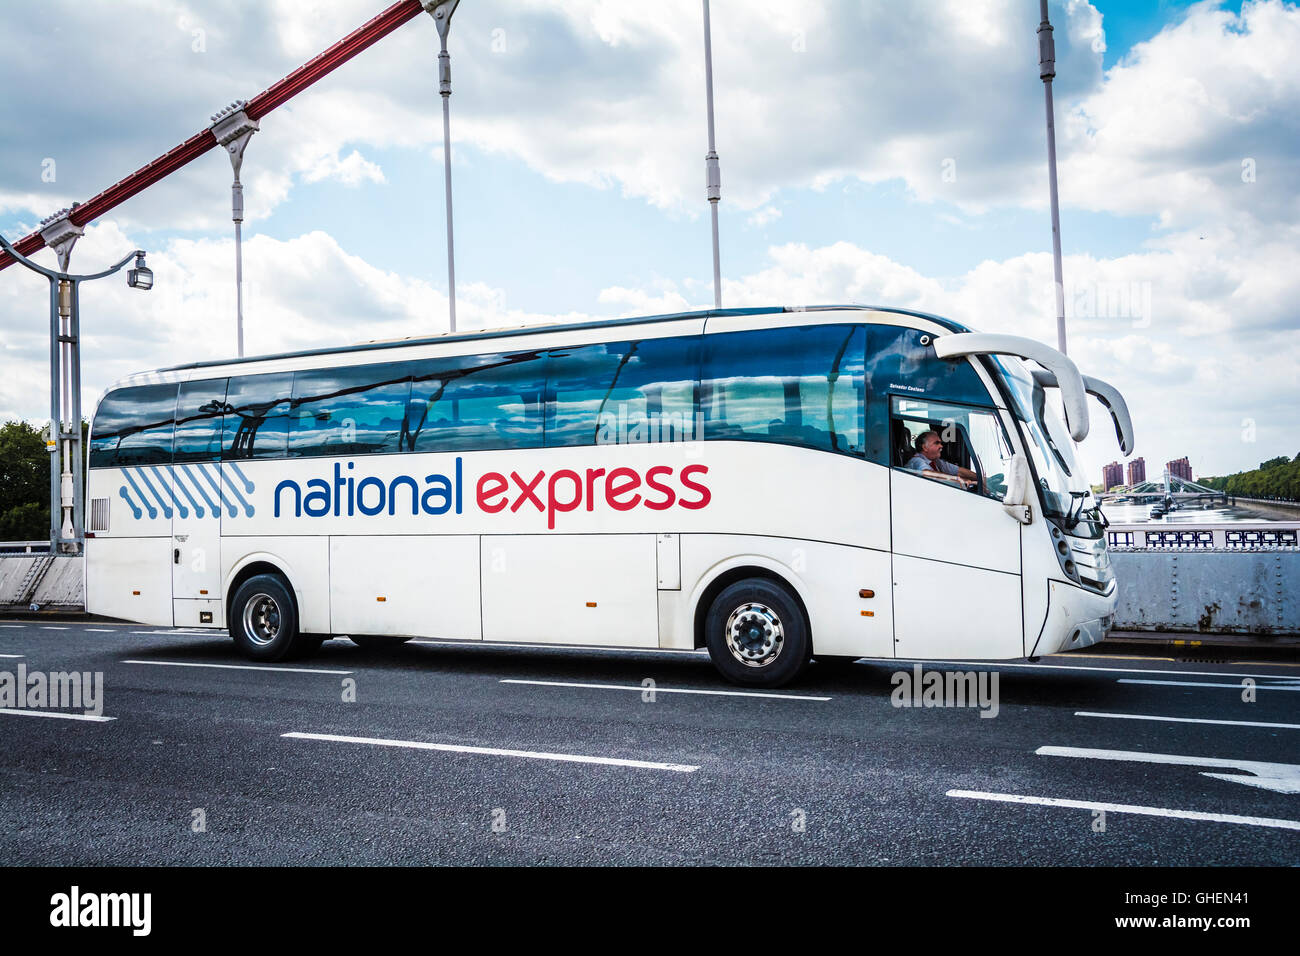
(1112, 475)
(1137, 471)
(1182, 468)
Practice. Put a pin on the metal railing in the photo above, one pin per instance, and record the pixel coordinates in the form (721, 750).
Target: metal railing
(24, 547)
(1210, 536)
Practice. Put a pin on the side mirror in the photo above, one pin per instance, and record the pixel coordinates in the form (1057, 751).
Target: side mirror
(1016, 501)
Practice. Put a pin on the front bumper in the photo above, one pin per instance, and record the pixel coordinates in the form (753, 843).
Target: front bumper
(1076, 617)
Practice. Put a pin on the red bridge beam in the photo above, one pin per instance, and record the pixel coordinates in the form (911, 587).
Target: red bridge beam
(364, 36)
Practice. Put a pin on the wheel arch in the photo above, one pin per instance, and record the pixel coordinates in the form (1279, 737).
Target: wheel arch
(251, 566)
(724, 575)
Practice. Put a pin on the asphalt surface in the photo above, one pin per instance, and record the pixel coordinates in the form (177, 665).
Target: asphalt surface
(844, 778)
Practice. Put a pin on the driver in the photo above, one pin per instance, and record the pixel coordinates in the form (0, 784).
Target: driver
(929, 462)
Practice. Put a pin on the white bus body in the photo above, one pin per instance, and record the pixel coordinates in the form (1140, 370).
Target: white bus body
(737, 480)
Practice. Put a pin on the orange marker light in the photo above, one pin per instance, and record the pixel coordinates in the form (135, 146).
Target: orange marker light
(591, 604)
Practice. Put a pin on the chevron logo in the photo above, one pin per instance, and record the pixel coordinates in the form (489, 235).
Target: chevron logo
(203, 488)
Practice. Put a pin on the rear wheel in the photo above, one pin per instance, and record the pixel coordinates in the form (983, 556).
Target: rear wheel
(264, 620)
(756, 634)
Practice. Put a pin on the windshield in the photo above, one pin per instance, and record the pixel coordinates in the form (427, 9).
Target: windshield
(1062, 478)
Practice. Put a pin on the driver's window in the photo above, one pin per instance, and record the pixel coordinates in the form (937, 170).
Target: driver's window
(961, 446)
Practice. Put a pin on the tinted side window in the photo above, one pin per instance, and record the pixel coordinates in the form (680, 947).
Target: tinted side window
(897, 362)
(796, 386)
(199, 409)
(900, 362)
(134, 427)
(472, 402)
(349, 411)
(256, 423)
(615, 393)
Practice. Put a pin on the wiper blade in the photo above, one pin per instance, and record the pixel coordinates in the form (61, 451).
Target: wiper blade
(1075, 514)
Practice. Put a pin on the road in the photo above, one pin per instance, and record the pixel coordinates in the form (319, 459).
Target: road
(197, 766)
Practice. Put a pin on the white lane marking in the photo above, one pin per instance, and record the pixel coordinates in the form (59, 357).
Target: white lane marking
(1083, 667)
(661, 690)
(99, 630)
(1126, 808)
(51, 627)
(1188, 720)
(240, 667)
(498, 752)
(12, 655)
(19, 626)
(180, 630)
(1278, 777)
(54, 713)
(1192, 683)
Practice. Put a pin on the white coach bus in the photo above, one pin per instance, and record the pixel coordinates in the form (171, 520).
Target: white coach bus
(772, 484)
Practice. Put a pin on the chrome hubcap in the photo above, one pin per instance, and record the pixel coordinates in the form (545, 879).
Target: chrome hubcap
(261, 619)
(755, 635)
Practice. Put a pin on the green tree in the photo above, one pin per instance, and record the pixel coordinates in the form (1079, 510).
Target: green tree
(24, 483)
(29, 522)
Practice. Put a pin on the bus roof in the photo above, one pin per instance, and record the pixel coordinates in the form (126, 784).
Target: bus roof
(515, 330)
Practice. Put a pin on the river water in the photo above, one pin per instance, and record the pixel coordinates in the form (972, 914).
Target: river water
(1192, 514)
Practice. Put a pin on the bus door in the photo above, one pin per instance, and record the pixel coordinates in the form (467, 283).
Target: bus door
(198, 502)
(956, 550)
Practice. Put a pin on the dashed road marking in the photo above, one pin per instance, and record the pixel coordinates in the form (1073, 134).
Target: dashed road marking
(498, 752)
(241, 667)
(1192, 683)
(1080, 667)
(54, 713)
(1278, 777)
(663, 690)
(1126, 808)
(1189, 720)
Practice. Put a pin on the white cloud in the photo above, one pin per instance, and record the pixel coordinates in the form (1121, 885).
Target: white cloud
(1167, 132)
(607, 94)
(764, 215)
(309, 292)
(611, 95)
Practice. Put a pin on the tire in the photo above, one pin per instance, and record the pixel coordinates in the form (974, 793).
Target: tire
(769, 645)
(264, 620)
(377, 641)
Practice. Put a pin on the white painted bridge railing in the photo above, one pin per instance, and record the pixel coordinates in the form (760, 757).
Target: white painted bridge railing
(1205, 536)
(24, 547)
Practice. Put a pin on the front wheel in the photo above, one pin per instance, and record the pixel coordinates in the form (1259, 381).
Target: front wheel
(264, 619)
(756, 634)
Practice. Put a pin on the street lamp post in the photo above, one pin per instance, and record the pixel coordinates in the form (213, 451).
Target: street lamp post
(67, 522)
(441, 11)
(1046, 72)
(233, 129)
(713, 171)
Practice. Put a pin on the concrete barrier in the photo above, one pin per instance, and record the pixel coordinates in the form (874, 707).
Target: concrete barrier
(52, 581)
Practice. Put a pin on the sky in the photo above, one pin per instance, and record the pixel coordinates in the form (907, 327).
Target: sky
(872, 152)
